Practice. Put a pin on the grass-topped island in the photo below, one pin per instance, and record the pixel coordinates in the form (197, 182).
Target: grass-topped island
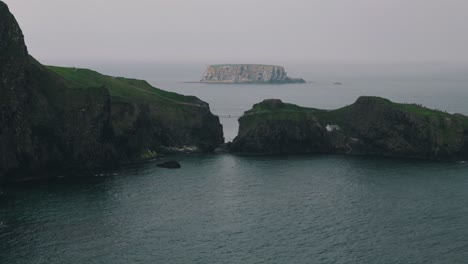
(370, 126)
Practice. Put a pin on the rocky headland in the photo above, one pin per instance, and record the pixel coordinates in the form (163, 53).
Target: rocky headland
(55, 119)
(371, 126)
(247, 73)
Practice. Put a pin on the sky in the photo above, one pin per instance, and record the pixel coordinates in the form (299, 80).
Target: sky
(247, 31)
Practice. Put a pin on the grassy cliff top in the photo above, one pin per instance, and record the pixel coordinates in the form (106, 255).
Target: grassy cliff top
(122, 89)
(370, 111)
(240, 64)
(276, 105)
(417, 109)
(275, 108)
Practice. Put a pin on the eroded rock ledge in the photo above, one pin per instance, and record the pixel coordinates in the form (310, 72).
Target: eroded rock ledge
(247, 73)
(370, 126)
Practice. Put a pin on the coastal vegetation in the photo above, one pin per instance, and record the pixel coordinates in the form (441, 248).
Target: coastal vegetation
(57, 119)
(370, 126)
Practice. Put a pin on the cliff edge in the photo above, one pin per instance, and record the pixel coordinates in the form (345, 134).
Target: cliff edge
(247, 73)
(61, 120)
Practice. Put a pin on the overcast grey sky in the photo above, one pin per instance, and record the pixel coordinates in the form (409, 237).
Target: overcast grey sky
(221, 31)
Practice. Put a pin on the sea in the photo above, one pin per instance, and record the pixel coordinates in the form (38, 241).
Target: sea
(222, 208)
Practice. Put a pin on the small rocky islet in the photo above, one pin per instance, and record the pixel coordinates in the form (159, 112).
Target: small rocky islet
(56, 119)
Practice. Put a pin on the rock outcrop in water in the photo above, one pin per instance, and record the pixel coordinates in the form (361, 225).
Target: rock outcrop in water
(172, 164)
(56, 119)
(370, 126)
(247, 73)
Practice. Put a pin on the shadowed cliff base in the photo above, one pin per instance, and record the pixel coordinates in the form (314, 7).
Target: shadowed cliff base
(370, 126)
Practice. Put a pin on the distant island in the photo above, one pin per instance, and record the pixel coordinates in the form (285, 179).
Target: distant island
(247, 73)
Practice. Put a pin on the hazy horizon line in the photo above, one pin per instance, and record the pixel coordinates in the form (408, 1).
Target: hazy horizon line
(67, 61)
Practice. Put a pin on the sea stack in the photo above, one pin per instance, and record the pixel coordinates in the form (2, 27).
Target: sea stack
(247, 73)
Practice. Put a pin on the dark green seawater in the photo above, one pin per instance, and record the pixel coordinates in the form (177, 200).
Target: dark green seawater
(228, 209)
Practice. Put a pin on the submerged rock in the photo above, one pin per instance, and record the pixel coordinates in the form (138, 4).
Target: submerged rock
(172, 164)
(370, 126)
(247, 73)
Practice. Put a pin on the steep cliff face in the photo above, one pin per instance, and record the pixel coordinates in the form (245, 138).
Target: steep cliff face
(247, 73)
(56, 119)
(147, 119)
(15, 92)
(273, 127)
(370, 126)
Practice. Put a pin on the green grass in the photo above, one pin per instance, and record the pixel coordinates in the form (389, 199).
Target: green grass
(421, 110)
(121, 89)
(338, 115)
(232, 65)
(276, 111)
(268, 107)
(435, 120)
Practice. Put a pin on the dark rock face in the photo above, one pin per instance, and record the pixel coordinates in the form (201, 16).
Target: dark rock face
(286, 133)
(172, 164)
(41, 129)
(142, 127)
(282, 137)
(15, 94)
(247, 73)
(389, 129)
(40, 132)
(49, 125)
(371, 126)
